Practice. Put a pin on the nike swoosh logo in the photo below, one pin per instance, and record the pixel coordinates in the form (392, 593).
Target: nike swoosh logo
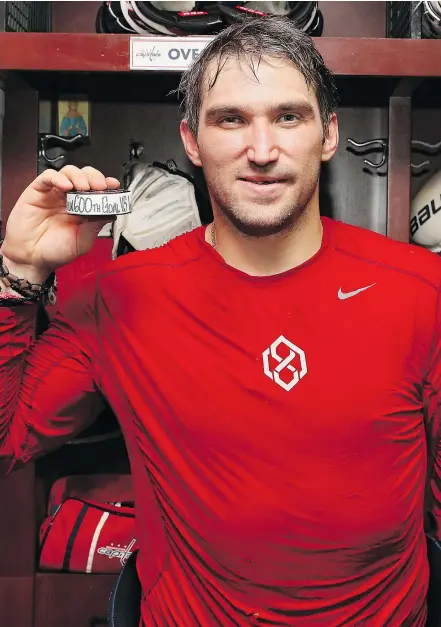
(344, 295)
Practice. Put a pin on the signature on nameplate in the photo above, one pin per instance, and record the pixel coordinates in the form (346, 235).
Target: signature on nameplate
(149, 53)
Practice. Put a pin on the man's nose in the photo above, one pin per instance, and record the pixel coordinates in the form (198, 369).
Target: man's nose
(262, 146)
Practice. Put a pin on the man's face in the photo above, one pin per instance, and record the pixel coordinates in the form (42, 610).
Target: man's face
(260, 143)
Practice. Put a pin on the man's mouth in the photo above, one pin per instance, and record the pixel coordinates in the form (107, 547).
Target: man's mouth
(262, 181)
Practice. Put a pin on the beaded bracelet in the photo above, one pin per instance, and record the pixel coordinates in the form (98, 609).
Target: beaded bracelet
(29, 292)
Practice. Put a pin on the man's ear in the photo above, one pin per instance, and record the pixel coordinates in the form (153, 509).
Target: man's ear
(330, 142)
(190, 144)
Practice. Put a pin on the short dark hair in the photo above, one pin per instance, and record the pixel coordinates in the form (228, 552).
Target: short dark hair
(253, 38)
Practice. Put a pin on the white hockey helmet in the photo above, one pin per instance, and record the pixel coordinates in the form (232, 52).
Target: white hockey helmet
(425, 215)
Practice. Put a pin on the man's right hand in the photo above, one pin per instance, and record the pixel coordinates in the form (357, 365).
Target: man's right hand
(40, 235)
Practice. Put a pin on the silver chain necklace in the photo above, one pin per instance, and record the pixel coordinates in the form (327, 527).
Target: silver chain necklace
(213, 236)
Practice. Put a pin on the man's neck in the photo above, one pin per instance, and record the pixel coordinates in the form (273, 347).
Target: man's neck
(272, 254)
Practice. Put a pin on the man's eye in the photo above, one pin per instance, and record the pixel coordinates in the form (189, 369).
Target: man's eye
(290, 117)
(231, 119)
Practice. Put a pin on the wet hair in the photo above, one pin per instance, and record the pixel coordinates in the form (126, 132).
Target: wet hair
(252, 39)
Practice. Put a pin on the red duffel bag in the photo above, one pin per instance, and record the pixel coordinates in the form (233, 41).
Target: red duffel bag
(87, 537)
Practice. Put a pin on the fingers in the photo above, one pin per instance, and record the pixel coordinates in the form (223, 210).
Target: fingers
(71, 177)
(85, 179)
(112, 183)
(51, 178)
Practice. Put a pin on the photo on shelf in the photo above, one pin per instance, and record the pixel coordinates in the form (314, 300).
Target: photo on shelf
(73, 117)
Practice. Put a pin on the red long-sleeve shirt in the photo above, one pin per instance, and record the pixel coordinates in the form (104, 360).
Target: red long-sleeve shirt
(275, 425)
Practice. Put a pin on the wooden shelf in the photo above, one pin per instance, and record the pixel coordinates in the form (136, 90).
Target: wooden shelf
(86, 579)
(78, 52)
(86, 599)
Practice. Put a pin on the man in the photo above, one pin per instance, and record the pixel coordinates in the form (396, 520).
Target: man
(273, 373)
